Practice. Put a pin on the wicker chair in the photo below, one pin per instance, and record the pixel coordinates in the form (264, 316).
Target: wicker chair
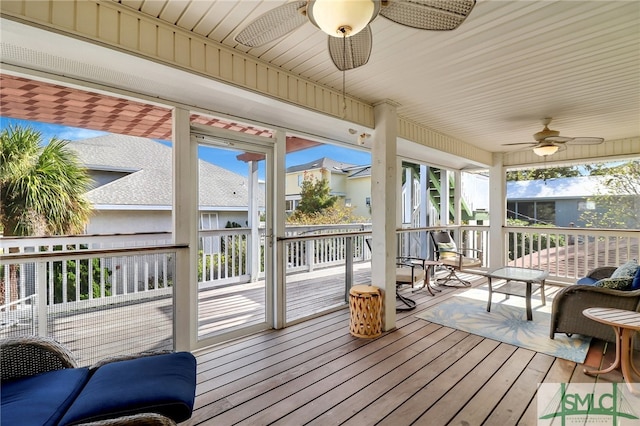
(22, 357)
(568, 304)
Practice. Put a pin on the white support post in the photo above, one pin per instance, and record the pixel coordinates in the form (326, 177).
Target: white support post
(253, 223)
(276, 250)
(185, 231)
(425, 205)
(384, 203)
(457, 197)
(41, 299)
(497, 211)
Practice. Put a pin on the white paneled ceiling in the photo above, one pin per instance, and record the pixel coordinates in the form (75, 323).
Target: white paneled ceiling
(488, 83)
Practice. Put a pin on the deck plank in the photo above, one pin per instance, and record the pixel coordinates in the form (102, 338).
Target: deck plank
(316, 373)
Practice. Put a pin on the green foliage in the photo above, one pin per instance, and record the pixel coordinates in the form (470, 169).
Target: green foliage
(536, 174)
(315, 196)
(525, 244)
(87, 283)
(336, 214)
(42, 188)
(318, 207)
(618, 203)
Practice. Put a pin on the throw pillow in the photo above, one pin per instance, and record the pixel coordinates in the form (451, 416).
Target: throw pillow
(447, 250)
(626, 270)
(615, 283)
(635, 285)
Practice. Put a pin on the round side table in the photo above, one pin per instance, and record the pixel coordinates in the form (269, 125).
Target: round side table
(625, 324)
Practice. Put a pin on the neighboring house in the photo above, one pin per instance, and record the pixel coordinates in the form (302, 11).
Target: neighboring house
(558, 201)
(133, 187)
(349, 182)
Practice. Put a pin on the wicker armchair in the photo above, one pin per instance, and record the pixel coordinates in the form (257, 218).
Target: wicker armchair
(22, 357)
(566, 314)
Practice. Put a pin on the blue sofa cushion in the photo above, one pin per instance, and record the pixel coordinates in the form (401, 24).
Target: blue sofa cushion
(635, 285)
(41, 399)
(163, 384)
(586, 281)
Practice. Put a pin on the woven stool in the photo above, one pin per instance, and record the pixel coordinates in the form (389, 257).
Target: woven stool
(365, 303)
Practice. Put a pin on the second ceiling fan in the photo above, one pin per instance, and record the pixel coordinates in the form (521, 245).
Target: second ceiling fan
(548, 142)
(347, 23)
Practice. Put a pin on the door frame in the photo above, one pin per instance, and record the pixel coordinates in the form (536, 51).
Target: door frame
(232, 140)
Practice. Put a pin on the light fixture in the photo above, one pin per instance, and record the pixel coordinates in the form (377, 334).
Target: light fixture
(342, 18)
(545, 150)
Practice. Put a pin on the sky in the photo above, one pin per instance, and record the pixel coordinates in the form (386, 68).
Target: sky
(219, 157)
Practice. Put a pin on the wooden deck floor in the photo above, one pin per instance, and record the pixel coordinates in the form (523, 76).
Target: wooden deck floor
(419, 373)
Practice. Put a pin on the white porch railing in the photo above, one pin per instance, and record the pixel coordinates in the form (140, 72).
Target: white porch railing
(569, 253)
(90, 299)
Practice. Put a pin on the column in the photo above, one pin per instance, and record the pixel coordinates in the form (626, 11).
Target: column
(384, 203)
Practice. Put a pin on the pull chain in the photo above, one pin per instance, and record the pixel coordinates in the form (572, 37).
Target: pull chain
(344, 74)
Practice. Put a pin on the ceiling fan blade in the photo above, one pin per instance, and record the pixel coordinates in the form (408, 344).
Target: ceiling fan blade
(351, 52)
(586, 141)
(273, 24)
(520, 143)
(557, 139)
(438, 15)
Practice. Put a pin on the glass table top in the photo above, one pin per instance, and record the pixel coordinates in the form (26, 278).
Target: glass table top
(518, 274)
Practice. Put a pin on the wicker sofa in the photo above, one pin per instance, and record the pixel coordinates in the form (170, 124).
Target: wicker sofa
(42, 385)
(566, 314)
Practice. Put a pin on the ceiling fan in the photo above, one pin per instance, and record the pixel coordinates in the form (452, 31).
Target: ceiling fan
(347, 22)
(548, 142)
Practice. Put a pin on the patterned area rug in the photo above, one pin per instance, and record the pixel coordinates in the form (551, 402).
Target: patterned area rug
(507, 322)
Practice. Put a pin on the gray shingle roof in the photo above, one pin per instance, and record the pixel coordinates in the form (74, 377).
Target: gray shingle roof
(321, 163)
(571, 187)
(149, 181)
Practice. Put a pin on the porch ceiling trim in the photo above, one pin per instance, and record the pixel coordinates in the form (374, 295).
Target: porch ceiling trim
(127, 30)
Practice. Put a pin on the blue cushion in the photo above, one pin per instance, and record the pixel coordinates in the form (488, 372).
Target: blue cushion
(163, 384)
(627, 269)
(586, 281)
(41, 399)
(635, 285)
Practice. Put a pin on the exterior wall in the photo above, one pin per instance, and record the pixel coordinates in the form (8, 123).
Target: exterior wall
(338, 184)
(131, 221)
(358, 190)
(567, 212)
(292, 179)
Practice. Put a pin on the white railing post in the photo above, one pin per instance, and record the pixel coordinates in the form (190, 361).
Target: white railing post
(41, 297)
(311, 254)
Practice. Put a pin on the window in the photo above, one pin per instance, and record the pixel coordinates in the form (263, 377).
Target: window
(300, 180)
(347, 202)
(586, 205)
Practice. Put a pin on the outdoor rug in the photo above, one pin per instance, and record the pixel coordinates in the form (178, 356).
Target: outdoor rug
(507, 322)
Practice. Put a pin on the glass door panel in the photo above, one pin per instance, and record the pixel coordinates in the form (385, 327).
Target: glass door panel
(233, 290)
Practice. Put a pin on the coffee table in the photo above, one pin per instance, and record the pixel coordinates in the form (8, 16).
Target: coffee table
(514, 277)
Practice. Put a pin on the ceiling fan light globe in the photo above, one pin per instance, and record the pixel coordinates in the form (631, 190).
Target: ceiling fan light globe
(545, 150)
(334, 17)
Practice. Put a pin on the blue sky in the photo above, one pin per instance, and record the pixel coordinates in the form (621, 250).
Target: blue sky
(219, 157)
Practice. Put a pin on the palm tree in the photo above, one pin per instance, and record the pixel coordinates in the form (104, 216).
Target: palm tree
(42, 188)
